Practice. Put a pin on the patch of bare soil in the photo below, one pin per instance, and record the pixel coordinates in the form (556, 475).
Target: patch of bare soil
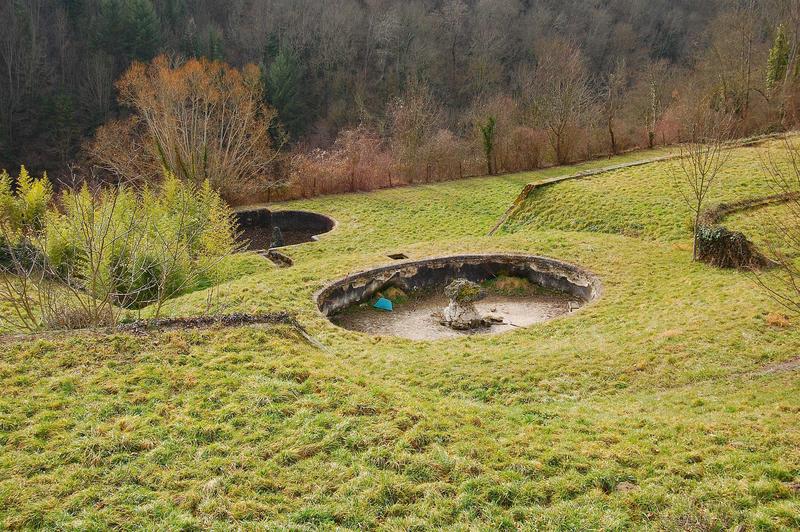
(792, 364)
(142, 327)
(198, 322)
(418, 319)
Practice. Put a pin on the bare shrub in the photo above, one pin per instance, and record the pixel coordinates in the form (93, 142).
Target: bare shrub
(361, 160)
(669, 126)
(446, 154)
(701, 159)
(517, 146)
(358, 160)
(783, 243)
(315, 173)
(503, 114)
(524, 149)
(200, 120)
(560, 95)
(365, 158)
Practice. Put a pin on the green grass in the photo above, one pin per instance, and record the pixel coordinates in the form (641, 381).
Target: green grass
(764, 226)
(641, 202)
(655, 407)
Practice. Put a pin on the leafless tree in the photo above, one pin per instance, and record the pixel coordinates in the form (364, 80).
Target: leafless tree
(615, 85)
(701, 159)
(201, 120)
(782, 168)
(653, 98)
(560, 94)
(451, 23)
(22, 55)
(97, 85)
(414, 118)
(730, 62)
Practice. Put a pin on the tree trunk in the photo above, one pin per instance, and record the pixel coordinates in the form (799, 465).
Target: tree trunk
(559, 157)
(613, 137)
(749, 74)
(696, 231)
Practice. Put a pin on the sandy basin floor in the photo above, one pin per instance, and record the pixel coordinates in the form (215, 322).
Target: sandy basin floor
(415, 319)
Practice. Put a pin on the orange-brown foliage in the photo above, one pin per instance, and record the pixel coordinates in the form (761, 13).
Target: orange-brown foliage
(198, 119)
(358, 161)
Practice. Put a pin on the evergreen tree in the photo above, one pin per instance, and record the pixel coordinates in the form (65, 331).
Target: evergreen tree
(143, 29)
(284, 92)
(214, 48)
(173, 12)
(75, 9)
(129, 29)
(488, 137)
(62, 124)
(778, 59)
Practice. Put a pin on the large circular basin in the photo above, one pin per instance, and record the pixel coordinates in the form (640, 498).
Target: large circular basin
(521, 289)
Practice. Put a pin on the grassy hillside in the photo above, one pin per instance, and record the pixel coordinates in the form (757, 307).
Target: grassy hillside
(671, 403)
(642, 202)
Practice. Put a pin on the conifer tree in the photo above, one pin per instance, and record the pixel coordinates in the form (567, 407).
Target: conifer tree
(488, 133)
(283, 91)
(778, 59)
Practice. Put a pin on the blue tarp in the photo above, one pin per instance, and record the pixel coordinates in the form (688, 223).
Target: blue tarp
(384, 304)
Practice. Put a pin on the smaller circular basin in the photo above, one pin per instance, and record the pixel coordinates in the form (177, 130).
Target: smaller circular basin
(296, 227)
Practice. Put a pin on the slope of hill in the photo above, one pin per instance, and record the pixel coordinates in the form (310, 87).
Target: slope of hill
(671, 403)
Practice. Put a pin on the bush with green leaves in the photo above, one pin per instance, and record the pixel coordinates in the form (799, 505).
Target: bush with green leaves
(22, 209)
(723, 248)
(144, 247)
(121, 248)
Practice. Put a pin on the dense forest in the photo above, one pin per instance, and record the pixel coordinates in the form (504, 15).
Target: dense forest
(435, 88)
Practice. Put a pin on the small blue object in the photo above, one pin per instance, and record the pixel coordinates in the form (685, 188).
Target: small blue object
(384, 304)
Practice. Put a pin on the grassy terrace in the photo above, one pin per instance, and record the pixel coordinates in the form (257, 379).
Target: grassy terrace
(669, 404)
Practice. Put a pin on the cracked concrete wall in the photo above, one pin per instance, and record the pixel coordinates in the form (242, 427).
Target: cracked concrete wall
(438, 272)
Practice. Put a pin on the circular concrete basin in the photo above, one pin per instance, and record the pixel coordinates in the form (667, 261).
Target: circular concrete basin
(297, 227)
(521, 289)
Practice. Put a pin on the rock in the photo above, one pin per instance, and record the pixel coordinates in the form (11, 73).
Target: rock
(464, 291)
(461, 313)
(493, 318)
(626, 486)
(461, 317)
(277, 238)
